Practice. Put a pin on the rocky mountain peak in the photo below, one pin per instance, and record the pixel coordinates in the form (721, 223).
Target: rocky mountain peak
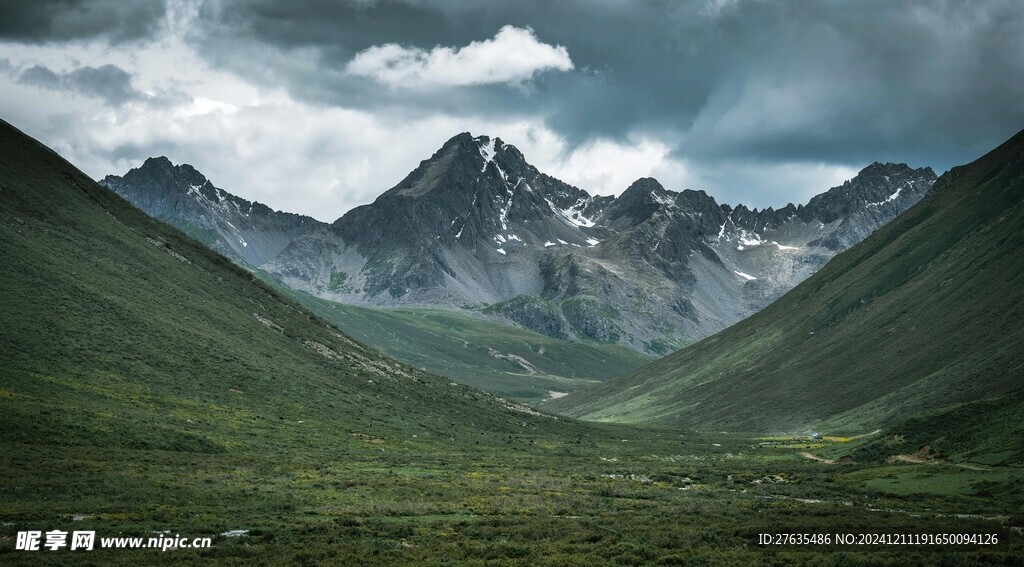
(877, 185)
(157, 163)
(248, 232)
(160, 176)
(638, 202)
(878, 168)
(506, 159)
(460, 168)
(644, 186)
(466, 149)
(478, 194)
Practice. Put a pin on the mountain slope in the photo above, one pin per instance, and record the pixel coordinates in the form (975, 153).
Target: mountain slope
(923, 314)
(477, 228)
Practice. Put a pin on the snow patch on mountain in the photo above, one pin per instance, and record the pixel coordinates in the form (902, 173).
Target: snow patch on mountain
(750, 239)
(664, 200)
(894, 196)
(487, 152)
(574, 214)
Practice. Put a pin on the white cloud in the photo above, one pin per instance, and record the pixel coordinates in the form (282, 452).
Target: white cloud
(765, 184)
(715, 8)
(607, 167)
(513, 56)
(602, 166)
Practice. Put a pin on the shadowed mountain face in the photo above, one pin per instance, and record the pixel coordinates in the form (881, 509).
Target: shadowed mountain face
(923, 315)
(477, 227)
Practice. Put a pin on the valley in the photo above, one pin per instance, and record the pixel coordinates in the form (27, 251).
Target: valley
(152, 385)
(702, 283)
(659, 497)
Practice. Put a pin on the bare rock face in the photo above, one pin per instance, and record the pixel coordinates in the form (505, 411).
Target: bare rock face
(477, 228)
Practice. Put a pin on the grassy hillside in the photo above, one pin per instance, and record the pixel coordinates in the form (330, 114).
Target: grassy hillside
(924, 315)
(148, 386)
(509, 361)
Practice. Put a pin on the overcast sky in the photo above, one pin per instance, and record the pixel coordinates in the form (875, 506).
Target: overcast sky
(317, 106)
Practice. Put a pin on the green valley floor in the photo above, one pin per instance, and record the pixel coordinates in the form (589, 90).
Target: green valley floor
(596, 496)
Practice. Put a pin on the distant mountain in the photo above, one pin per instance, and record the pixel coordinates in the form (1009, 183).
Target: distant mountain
(918, 325)
(249, 233)
(477, 227)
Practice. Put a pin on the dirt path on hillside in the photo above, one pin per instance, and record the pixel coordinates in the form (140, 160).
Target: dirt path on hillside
(917, 460)
(875, 432)
(912, 459)
(814, 457)
(920, 458)
(972, 467)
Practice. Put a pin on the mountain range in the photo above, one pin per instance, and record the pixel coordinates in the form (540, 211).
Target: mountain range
(477, 228)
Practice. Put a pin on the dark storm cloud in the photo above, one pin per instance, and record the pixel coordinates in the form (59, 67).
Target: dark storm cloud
(849, 82)
(109, 83)
(38, 21)
(931, 82)
(310, 43)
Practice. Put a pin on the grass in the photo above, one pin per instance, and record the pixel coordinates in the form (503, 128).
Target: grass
(207, 236)
(944, 480)
(402, 502)
(986, 432)
(337, 280)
